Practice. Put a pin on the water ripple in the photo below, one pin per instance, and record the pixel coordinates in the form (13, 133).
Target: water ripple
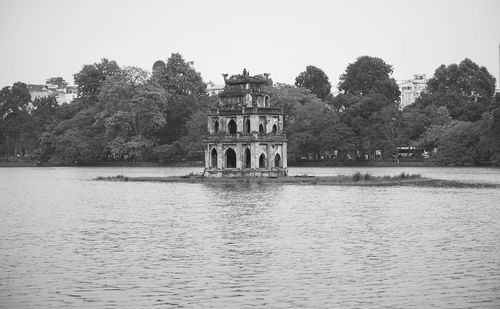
(94, 244)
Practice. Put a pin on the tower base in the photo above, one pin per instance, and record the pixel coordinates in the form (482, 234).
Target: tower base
(238, 173)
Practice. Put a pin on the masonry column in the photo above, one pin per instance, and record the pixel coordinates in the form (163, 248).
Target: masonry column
(207, 157)
(269, 151)
(220, 155)
(239, 155)
(284, 156)
(253, 153)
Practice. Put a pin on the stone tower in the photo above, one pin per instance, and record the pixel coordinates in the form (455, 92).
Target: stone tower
(246, 137)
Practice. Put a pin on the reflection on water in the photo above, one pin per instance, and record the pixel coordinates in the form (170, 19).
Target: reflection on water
(69, 242)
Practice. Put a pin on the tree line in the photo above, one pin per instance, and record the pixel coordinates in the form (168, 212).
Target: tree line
(128, 114)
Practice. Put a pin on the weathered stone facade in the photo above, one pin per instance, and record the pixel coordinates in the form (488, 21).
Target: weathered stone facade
(246, 137)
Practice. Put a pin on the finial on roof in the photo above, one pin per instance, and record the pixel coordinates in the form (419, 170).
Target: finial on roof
(245, 72)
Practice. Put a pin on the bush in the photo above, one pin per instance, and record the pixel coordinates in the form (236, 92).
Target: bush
(356, 177)
(404, 175)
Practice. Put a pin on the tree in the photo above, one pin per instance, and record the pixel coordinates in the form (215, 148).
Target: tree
(290, 98)
(91, 78)
(456, 142)
(456, 115)
(179, 77)
(416, 119)
(373, 120)
(75, 139)
(186, 93)
(75, 146)
(466, 90)
(78, 136)
(15, 118)
(489, 140)
(192, 142)
(315, 80)
(311, 128)
(368, 105)
(319, 132)
(133, 108)
(369, 75)
(44, 115)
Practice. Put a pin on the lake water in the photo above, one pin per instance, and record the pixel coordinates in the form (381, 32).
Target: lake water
(69, 242)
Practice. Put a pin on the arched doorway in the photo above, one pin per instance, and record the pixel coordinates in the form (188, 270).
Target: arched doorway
(214, 158)
(216, 127)
(247, 126)
(231, 126)
(262, 161)
(261, 129)
(266, 101)
(230, 158)
(248, 158)
(275, 129)
(277, 160)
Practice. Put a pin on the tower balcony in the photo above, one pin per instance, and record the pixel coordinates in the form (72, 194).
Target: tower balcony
(245, 138)
(247, 111)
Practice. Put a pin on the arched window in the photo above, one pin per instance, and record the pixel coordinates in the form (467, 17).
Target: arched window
(231, 126)
(214, 158)
(248, 158)
(247, 126)
(216, 127)
(262, 130)
(266, 101)
(277, 160)
(248, 100)
(230, 158)
(275, 129)
(259, 101)
(262, 161)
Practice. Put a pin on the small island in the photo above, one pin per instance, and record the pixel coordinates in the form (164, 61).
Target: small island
(356, 179)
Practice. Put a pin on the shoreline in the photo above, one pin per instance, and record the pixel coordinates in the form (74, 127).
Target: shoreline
(386, 181)
(307, 164)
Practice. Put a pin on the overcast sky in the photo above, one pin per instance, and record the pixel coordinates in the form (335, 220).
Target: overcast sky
(41, 39)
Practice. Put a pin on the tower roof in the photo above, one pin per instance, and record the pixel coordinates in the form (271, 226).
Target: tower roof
(246, 78)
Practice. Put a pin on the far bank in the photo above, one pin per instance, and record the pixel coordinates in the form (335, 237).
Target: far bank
(319, 163)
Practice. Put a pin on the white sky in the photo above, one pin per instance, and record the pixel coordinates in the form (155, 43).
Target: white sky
(41, 39)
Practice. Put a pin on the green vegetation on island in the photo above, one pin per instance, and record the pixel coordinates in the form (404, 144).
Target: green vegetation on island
(126, 114)
(356, 179)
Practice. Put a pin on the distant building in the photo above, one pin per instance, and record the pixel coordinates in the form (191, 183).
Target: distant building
(214, 89)
(55, 86)
(38, 91)
(411, 89)
(57, 81)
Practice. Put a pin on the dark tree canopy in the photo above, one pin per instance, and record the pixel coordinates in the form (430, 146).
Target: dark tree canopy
(315, 80)
(311, 128)
(465, 89)
(92, 76)
(186, 94)
(473, 82)
(369, 74)
(457, 115)
(179, 77)
(14, 117)
(128, 114)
